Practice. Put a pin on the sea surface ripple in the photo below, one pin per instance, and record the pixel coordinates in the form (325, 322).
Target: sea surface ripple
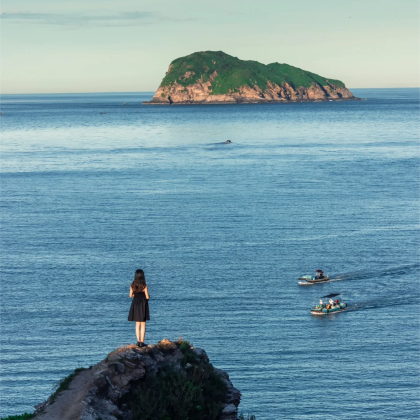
(222, 231)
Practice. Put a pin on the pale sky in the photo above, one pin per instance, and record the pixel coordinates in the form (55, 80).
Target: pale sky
(53, 46)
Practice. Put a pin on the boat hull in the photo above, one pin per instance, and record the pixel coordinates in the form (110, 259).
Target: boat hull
(305, 280)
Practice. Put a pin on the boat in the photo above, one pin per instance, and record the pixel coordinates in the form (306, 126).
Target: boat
(332, 307)
(318, 278)
(305, 280)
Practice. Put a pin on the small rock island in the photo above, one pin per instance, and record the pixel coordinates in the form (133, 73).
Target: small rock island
(214, 77)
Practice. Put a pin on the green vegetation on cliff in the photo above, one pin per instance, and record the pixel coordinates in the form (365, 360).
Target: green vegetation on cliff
(25, 416)
(195, 393)
(232, 73)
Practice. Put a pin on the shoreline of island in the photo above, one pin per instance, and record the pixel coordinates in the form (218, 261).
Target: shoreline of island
(244, 102)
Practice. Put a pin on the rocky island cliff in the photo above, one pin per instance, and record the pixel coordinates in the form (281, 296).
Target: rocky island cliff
(168, 380)
(214, 77)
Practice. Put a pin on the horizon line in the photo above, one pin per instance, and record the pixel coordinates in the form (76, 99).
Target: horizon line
(146, 91)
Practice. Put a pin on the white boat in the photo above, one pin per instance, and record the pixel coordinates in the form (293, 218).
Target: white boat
(319, 278)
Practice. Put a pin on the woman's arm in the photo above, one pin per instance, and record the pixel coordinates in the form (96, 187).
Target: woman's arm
(146, 292)
(131, 292)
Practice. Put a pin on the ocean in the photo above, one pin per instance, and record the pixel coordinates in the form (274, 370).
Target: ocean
(94, 186)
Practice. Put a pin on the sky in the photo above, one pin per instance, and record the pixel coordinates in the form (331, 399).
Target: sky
(59, 46)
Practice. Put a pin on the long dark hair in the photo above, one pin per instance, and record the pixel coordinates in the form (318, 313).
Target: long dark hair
(139, 282)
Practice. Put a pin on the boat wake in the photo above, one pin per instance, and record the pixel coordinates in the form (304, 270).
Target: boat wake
(385, 302)
(368, 274)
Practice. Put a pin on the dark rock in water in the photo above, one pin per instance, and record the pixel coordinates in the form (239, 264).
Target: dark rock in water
(132, 381)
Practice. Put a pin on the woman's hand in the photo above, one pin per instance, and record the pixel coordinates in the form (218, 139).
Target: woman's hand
(146, 292)
(131, 292)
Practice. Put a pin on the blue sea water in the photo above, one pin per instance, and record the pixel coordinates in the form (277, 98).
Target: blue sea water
(222, 232)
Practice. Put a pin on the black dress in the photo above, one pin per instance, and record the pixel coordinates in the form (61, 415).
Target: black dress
(139, 311)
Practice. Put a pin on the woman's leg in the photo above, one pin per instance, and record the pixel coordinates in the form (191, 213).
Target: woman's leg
(143, 331)
(138, 330)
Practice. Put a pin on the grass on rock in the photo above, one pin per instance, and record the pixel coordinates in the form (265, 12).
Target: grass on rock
(25, 416)
(195, 392)
(65, 383)
(233, 73)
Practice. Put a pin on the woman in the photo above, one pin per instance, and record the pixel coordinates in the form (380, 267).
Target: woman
(139, 311)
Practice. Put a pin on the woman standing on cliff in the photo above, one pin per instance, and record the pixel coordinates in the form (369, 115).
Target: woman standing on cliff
(139, 311)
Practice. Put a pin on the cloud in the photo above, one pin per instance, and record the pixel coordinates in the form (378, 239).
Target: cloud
(100, 18)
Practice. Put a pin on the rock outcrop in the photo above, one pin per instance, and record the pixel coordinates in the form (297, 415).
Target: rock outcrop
(213, 77)
(107, 390)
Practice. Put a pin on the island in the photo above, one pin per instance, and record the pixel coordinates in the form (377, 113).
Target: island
(214, 77)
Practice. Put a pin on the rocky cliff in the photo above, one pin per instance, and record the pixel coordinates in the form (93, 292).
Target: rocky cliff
(168, 380)
(215, 77)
